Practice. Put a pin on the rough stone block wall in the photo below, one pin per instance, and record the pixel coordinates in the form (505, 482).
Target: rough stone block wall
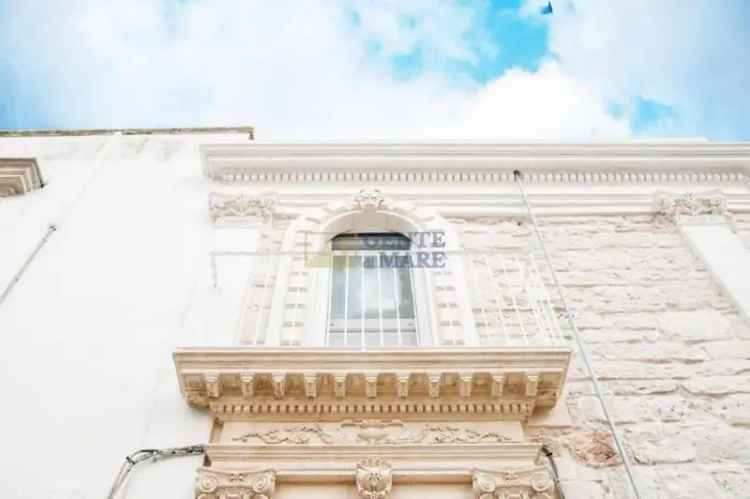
(670, 350)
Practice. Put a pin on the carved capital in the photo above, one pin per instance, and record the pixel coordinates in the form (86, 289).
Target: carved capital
(679, 207)
(370, 199)
(239, 206)
(374, 478)
(531, 483)
(216, 484)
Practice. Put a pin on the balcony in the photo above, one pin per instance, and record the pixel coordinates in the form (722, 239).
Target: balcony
(394, 299)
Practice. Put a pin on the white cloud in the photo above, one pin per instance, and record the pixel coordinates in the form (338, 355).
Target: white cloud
(319, 69)
(691, 55)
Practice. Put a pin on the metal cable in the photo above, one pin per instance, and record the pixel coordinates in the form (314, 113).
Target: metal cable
(17, 277)
(144, 455)
(584, 355)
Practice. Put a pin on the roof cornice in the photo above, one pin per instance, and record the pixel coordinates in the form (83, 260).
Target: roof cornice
(629, 162)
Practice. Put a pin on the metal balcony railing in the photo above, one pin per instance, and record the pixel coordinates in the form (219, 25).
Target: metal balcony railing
(392, 299)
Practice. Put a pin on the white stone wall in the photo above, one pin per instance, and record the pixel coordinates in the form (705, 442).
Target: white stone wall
(87, 335)
(670, 350)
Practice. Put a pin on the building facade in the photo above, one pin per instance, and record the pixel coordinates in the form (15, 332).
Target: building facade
(374, 320)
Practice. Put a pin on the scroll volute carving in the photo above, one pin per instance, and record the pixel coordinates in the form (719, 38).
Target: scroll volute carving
(216, 484)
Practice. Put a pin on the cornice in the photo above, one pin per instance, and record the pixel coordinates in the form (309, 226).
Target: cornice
(542, 163)
(19, 176)
(501, 383)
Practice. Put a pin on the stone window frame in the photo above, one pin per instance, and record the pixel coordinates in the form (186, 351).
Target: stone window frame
(355, 215)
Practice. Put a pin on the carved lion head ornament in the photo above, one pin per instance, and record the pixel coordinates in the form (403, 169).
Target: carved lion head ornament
(374, 479)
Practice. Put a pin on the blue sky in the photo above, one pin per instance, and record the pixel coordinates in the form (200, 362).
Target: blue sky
(454, 69)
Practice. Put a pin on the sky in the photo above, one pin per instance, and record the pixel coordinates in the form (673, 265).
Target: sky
(389, 69)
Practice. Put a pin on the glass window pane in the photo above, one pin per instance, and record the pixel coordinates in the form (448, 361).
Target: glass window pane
(371, 302)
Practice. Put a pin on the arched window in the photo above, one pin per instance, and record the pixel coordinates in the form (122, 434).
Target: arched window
(372, 303)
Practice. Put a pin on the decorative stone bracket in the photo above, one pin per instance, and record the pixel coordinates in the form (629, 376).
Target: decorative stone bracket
(532, 483)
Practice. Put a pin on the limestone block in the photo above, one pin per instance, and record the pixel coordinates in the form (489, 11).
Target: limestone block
(718, 443)
(689, 482)
(720, 368)
(733, 480)
(734, 409)
(622, 409)
(622, 370)
(580, 489)
(718, 385)
(732, 349)
(662, 351)
(658, 444)
(642, 387)
(677, 409)
(693, 326)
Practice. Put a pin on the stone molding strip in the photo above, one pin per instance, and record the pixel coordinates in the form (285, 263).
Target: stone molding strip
(19, 176)
(634, 163)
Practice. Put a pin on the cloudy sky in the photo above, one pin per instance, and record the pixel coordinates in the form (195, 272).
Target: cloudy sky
(389, 69)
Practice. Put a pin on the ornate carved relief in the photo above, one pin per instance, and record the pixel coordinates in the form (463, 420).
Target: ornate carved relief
(676, 207)
(373, 432)
(374, 478)
(215, 484)
(256, 209)
(370, 199)
(532, 483)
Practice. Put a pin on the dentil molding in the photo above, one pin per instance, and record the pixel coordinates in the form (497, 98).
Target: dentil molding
(541, 163)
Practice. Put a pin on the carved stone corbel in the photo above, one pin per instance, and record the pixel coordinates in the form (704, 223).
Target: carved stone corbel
(248, 387)
(279, 385)
(532, 483)
(216, 484)
(403, 385)
(374, 478)
(498, 385)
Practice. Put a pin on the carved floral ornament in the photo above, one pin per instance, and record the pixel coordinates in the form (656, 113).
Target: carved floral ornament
(370, 199)
(241, 206)
(373, 432)
(677, 207)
